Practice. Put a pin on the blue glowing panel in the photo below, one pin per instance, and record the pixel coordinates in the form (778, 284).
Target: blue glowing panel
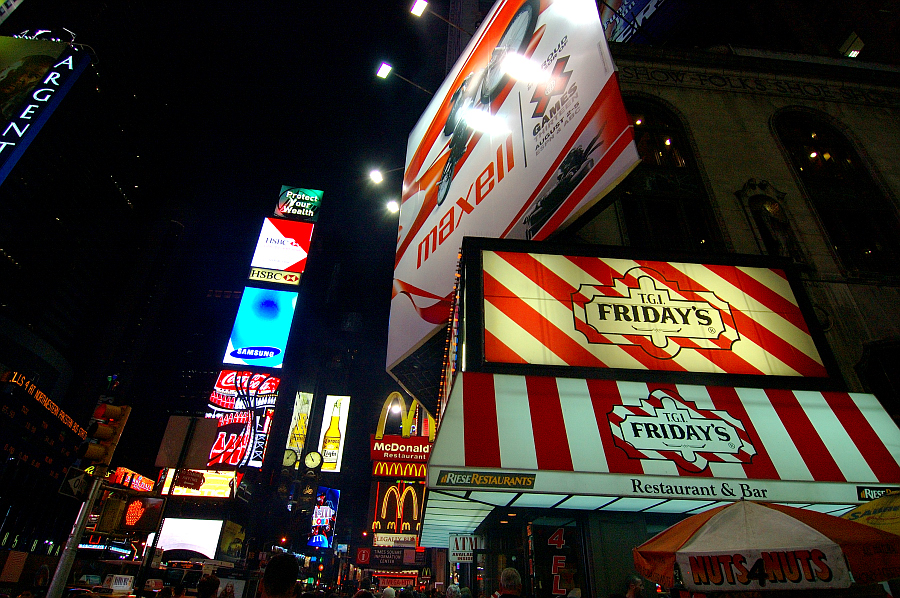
(261, 328)
(324, 517)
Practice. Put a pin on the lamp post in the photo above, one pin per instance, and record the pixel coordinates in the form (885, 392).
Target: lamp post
(421, 6)
(385, 69)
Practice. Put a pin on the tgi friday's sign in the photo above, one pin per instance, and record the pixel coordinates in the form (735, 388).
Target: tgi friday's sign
(596, 312)
(462, 548)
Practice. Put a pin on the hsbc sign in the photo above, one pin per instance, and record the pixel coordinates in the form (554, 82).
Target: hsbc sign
(291, 278)
(462, 548)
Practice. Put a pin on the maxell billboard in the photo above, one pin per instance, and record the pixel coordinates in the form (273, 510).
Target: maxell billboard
(526, 132)
(34, 77)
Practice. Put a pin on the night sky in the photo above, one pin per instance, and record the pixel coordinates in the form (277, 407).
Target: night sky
(219, 104)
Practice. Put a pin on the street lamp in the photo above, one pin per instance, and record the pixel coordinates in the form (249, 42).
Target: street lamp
(385, 69)
(421, 5)
(393, 206)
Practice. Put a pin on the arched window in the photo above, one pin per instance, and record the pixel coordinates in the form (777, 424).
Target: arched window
(860, 223)
(664, 203)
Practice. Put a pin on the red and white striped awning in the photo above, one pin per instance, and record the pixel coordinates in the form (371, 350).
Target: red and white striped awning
(542, 441)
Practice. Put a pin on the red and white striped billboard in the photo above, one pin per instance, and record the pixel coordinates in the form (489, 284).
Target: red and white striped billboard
(563, 310)
(661, 440)
(527, 132)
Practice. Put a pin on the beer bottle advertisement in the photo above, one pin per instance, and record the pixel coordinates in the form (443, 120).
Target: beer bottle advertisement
(334, 427)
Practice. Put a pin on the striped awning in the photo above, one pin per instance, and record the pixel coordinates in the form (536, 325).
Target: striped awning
(598, 444)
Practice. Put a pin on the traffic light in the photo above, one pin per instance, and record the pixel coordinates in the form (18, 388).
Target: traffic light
(103, 434)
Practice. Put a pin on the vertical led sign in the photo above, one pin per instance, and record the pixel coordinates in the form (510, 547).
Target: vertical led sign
(261, 328)
(332, 438)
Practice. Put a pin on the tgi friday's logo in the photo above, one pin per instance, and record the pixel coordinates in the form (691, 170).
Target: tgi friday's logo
(651, 314)
(666, 427)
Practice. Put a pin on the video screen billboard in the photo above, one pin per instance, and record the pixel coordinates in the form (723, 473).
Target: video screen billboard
(205, 483)
(324, 517)
(395, 507)
(332, 438)
(281, 251)
(525, 134)
(198, 535)
(298, 203)
(261, 328)
(244, 404)
(34, 77)
(299, 427)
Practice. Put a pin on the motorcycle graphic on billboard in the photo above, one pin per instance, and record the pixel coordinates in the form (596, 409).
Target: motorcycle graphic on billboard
(526, 133)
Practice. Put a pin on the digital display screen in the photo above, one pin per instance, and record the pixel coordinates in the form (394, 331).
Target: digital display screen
(332, 438)
(244, 404)
(299, 427)
(261, 328)
(203, 483)
(199, 535)
(283, 245)
(324, 517)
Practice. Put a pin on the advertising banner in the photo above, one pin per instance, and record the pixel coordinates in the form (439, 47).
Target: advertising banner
(527, 132)
(393, 469)
(395, 510)
(281, 251)
(261, 328)
(231, 544)
(397, 448)
(202, 483)
(333, 435)
(379, 556)
(417, 430)
(299, 427)
(595, 312)
(621, 18)
(324, 517)
(462, 548)
(34, 77)
(718, 442)
(296, 203)
(244, 404)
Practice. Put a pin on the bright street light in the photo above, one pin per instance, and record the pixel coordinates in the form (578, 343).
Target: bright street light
(419, 7)
(376, 176)
(393, 207)
(384, 70)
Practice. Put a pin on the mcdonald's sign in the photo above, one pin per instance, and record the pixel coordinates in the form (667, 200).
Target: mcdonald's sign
(417, 429)
(396, 507)
(393, 469)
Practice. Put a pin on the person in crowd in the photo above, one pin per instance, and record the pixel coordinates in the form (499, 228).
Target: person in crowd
(633, 587)
(178, 590)
(208, 586)
(465, 592)
(228, 591)
(510, 582)
(363, 594)
(388, 592)
(280, 577)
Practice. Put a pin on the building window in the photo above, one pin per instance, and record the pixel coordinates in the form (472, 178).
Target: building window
(664, 204)
(860, 222)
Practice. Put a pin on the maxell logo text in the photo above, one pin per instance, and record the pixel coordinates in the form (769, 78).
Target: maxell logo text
(489, 178)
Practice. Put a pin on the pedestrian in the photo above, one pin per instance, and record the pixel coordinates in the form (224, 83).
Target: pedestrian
(453, 591)
(178, 590)
(510, 582)
(633, 587)
(280, 577)
(388, 592)
(208, 586)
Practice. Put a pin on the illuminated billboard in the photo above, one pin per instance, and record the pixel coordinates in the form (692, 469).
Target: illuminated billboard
(281, 251)
(300, 204)
(131, 479)
(622, 18)
(261, 328)
(525, 134)
(395, 510)
(244, 404)
(299, 427)
(34, 77)
(205, 483)
(333, 435)
(324, 517)
(598, 312)
(198, 535)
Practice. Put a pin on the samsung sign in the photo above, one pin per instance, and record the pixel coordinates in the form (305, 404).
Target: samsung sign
(36, 75)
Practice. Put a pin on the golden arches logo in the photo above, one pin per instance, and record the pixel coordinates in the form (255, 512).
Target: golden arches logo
(407, 416)
(398, 513)
(401, 470)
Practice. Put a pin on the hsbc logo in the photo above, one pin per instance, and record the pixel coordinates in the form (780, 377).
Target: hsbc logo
(277, 276)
